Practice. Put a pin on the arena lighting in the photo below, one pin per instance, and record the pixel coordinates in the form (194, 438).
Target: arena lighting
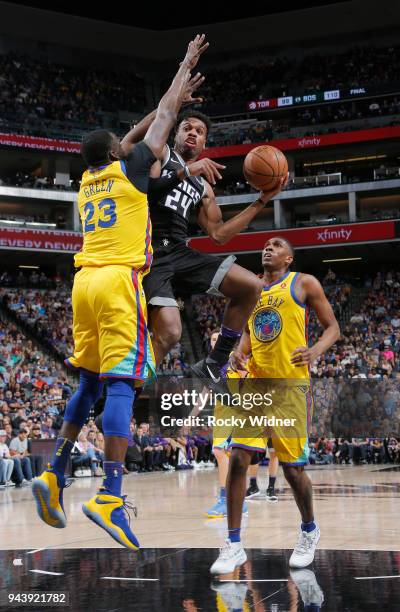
(341, 161)
(11, 222)
(344, 259)
(29, 267)
(41, 224)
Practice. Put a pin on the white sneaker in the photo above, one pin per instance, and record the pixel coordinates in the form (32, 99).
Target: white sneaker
(310, 591)
(10, 483)
(231, 555)
(304, 551)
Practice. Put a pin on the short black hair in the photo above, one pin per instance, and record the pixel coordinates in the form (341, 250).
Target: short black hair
(195, 115)
(96, 146)
(288, 244)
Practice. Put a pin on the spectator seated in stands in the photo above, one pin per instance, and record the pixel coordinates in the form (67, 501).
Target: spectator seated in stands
(22, 473)
(84, 454)
(6, 461)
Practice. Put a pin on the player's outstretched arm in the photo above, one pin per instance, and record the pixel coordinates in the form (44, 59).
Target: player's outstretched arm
(310, 292)
(171, 101)
(139, 131)
(210, 216)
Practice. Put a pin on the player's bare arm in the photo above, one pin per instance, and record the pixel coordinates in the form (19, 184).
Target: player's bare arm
(170, 103)
(310, 291)
(139, 131)
(210, 215)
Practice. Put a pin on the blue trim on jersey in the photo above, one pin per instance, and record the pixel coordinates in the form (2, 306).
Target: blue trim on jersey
(123, 166)
(282, 278)
(93, 169)
(294, 463)
(293, 294)
(247, 447)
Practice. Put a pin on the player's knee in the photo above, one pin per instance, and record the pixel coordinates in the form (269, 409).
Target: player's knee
(118, 407)
(238, 463)
(292, 473)
(89, 390)
(171, 335)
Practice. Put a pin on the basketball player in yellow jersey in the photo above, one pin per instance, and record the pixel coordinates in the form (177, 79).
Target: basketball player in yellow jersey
(109, 310)
(275, 345)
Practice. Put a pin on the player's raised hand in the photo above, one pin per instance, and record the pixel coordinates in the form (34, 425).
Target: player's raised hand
(266, 196)
(195, 48)
(192, 85)
(208, 168)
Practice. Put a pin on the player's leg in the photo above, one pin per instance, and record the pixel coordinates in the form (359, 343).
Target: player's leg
(126, 360)
(204, 273)
(48, 488)
(219, 509)
(166, 328)
(292, 451)
(233, 554)
(164, 317)
(253, 490)
(273, 466)
(243, 289)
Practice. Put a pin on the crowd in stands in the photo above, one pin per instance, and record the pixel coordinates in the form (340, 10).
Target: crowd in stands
(271, 77)
(38, 96)
(33, 89)
(34, 390)
(315, 119)
(354, 451)
(47, 313)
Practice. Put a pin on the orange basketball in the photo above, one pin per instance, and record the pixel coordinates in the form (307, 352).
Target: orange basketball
(264, 166)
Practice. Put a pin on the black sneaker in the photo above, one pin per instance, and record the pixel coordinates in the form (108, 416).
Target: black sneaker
(271, 495)
(252, 491)
(210, 370)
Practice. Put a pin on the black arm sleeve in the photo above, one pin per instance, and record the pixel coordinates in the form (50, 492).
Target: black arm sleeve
(138, 164)
(161, 186)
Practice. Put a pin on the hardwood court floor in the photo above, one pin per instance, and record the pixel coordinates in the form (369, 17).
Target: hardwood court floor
(357, 509)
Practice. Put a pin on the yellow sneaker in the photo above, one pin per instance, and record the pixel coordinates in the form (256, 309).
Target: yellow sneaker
(110, 512)
(47, 490)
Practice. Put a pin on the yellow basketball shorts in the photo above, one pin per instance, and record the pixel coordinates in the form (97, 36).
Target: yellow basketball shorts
(286, 421)
(221, 434)
(110, 323)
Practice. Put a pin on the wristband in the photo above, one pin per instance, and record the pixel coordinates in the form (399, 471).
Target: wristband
(186, 171)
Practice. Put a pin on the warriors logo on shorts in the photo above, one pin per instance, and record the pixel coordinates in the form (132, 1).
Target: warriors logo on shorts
(267, 325)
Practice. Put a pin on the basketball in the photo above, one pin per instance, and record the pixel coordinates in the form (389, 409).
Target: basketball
(264, 166)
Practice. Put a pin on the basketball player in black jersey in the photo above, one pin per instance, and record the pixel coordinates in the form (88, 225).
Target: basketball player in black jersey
(182, 183)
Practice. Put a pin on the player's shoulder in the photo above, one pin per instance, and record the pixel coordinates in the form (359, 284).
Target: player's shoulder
(308, 285)
(307, 279)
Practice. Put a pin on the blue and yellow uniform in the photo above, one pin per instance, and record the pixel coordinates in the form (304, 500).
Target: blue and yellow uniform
(110, 319)
(277, 326)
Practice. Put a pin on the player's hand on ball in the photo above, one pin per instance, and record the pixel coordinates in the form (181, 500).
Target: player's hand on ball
(195, 48)
(192, 85)
(266, 196)
(303, 355)
(208, 168)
